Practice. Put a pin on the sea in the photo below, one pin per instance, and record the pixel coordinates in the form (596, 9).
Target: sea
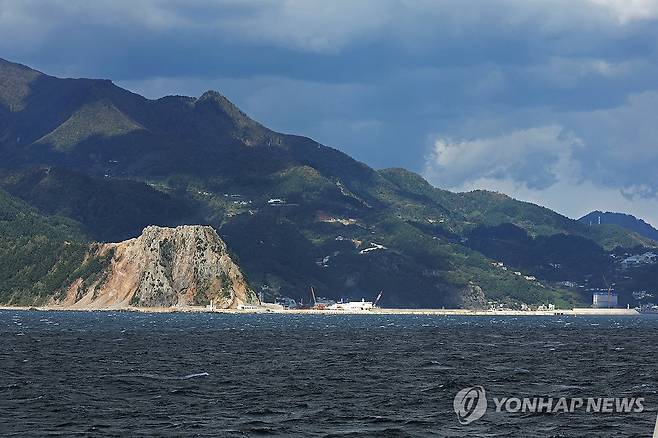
(240, 375)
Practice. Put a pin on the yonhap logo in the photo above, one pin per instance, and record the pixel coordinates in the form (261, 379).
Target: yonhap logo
(470, 404)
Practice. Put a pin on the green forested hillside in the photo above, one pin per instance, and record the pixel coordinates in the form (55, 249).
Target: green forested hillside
(37, 254)
(466, 211)
(295, 213)
(107, 209)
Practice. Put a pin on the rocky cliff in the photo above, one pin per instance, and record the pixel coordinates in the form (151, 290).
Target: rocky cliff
(164, 267)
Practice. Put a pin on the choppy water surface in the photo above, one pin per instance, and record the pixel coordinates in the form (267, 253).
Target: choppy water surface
(130, 374)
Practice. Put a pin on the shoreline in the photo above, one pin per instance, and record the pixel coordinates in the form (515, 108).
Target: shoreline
(376, 311)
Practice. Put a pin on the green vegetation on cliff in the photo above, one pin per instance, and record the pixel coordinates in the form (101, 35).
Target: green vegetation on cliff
(37, 254)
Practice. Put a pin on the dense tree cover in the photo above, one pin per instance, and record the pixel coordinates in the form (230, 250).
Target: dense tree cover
(109, 210)
(38, 255)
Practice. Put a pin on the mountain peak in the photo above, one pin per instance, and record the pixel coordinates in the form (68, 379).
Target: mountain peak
(219, 99)
(214, 99)
(624, 220)
(213, 94)
(15, 84)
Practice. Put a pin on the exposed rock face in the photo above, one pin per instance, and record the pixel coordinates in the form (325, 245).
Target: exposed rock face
(471, 297)
(164, 267)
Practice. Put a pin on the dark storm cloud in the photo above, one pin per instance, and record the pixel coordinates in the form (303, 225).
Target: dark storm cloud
(563, 91)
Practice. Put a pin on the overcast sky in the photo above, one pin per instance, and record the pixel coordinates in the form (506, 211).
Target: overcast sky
(555, 102)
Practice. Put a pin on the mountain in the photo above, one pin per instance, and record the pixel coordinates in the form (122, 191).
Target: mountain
(626, 221)
(293, 212)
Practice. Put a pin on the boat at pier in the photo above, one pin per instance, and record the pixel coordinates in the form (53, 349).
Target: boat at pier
(353, 306)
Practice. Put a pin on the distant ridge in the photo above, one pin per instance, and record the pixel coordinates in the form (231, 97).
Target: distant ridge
(623, 220)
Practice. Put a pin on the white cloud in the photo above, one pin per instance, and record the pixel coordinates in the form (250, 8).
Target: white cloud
(629, 10)
(536, 157)
(621, 143)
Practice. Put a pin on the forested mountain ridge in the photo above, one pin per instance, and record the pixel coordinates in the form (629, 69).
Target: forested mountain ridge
(293, 212)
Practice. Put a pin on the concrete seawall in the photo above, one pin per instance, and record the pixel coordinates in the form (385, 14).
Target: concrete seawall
(376, 311)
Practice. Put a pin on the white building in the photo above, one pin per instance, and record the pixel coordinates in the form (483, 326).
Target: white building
(605, 300)
(641, 259)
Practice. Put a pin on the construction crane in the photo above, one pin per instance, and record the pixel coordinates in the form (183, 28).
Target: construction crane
(609, 291)
(315, 301)
(378, 298)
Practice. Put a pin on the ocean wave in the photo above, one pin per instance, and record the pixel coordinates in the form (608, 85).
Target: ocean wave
(156, 376)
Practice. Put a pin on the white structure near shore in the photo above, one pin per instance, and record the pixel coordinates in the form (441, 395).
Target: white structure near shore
(353, 306)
